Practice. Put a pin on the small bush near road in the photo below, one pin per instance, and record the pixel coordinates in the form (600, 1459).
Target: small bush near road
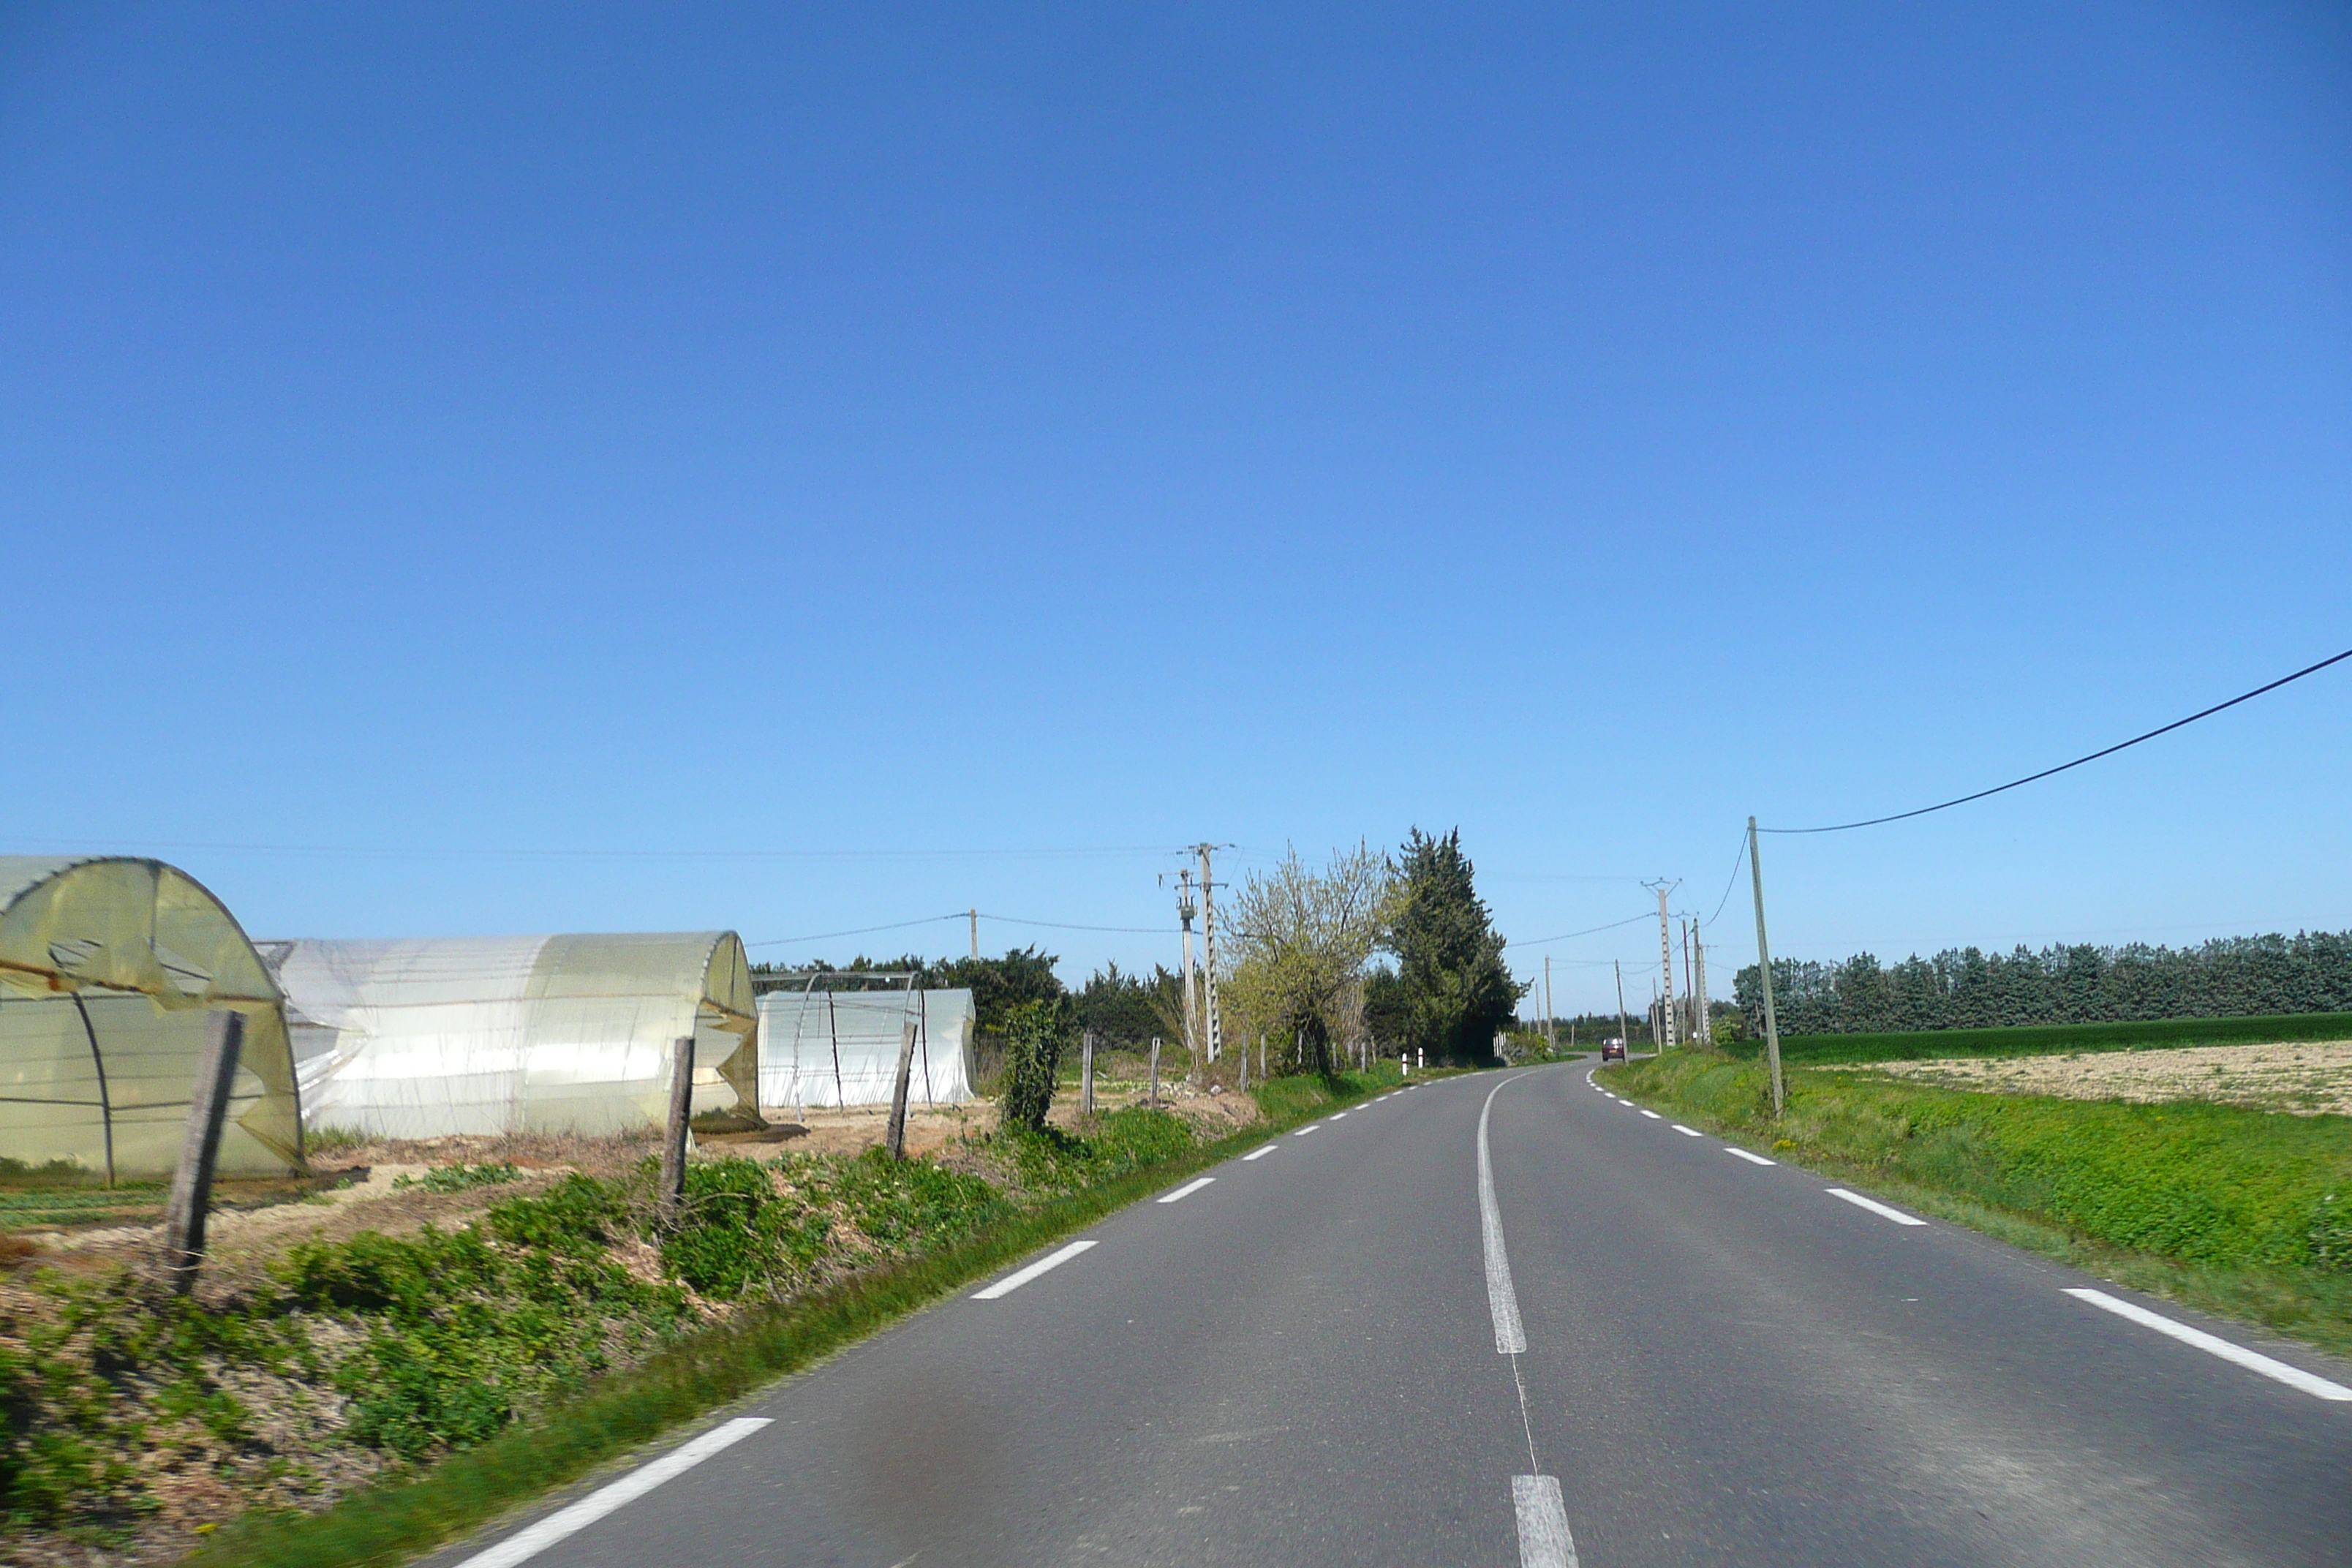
(1032, 1053)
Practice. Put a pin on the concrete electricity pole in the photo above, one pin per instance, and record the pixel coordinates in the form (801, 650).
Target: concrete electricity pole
(1666, 962)
(1764, 969)
(1185, 910)
(1698, 982)
(1624, 1031)
(1213, 1025)
(975, 932)
(1551, 1030)
(1690, 1010)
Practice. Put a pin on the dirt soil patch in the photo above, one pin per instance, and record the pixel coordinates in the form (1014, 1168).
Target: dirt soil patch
(2300, 1079)
(931, 1130)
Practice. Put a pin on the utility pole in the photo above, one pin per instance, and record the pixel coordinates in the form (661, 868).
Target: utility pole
(1665, 960)
(1185, 910)
(1551, 1030)
(1624, 1030)
(1698, 982)
(975, 933)
(1213, 1024)
(1764, 968)
(1690, 1015)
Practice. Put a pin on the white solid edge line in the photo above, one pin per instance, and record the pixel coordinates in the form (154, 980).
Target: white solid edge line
(1544, 1541)
(1690, 1131)
(1502, 1302)
(1260, 1153)
(2253, 1361)
(1187, 1190)
(529, 1543)
(1873, 1205)
(1019, 1277)
(1751, 1158)
(1651, 1114)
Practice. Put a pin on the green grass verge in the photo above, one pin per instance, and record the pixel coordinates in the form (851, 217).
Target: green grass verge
(394, 1520)
(2049, 1039)
(2238, 1212)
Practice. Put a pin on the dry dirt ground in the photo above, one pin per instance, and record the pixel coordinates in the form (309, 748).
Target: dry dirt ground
(241, 1242)
(2306, 1078)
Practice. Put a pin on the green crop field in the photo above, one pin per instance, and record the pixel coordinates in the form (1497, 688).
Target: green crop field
(2051, 1039)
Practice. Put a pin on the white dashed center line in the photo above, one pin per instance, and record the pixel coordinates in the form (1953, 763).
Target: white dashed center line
(1260, 1153)
(1187, 1190)
(1751, 1158)
(1688, 1132)
(1306, 1130)
(1651, 1114)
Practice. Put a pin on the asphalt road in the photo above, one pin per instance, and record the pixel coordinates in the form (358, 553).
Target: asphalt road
(1312, 1360)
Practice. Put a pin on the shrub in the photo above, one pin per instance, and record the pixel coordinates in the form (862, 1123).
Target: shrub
(1032, 1053)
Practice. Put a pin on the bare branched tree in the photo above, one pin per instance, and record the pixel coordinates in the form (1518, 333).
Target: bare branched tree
(1300, 941)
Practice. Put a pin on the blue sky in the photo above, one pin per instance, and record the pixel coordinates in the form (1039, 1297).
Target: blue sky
(488, 469)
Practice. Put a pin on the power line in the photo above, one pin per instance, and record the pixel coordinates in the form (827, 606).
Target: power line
(1063, 925)
(959, 914)
(2078, 762)
(1564, 936)
(1731, 882)
(425, 853)
(861, 930)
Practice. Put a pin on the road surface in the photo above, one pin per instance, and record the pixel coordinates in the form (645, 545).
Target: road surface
(1609, 1342)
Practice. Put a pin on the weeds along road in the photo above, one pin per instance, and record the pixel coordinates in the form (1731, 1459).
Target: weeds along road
(1626, 1345)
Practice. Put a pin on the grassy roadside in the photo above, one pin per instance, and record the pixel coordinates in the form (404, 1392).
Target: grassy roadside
(2240, 1212)
(2044, 1039)
(390, 1522)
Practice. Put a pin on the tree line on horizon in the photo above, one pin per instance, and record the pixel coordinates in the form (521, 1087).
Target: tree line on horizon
(1397, 950)
(2078, 983)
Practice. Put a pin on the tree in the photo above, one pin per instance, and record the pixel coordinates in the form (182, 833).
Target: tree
(1300, 941)
(1032, 1054)
(1128, 1009)
(1451, 993)
(998, 985)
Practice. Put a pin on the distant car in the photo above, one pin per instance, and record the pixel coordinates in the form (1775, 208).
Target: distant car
(1613, 1049)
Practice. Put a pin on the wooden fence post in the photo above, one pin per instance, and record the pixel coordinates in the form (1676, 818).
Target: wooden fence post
(191, 1181)
(672, 1199)
(896, 1139)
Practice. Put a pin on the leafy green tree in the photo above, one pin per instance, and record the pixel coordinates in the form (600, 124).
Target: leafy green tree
(1300, 941)
(1034, 1033)
(1451, 993)
(1128, 1009)
(1000, 985)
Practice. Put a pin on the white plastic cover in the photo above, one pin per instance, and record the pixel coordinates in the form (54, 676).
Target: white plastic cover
(841, 1047)
(109, 966)
(427, 1037)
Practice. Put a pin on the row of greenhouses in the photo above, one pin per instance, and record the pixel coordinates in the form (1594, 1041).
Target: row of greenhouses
(110, 966)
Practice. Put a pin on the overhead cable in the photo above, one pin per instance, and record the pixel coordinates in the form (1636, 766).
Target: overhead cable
(2078, 762)
(1588, 931)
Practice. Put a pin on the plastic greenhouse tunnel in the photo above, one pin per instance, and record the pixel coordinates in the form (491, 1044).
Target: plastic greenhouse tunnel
(109, 966)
